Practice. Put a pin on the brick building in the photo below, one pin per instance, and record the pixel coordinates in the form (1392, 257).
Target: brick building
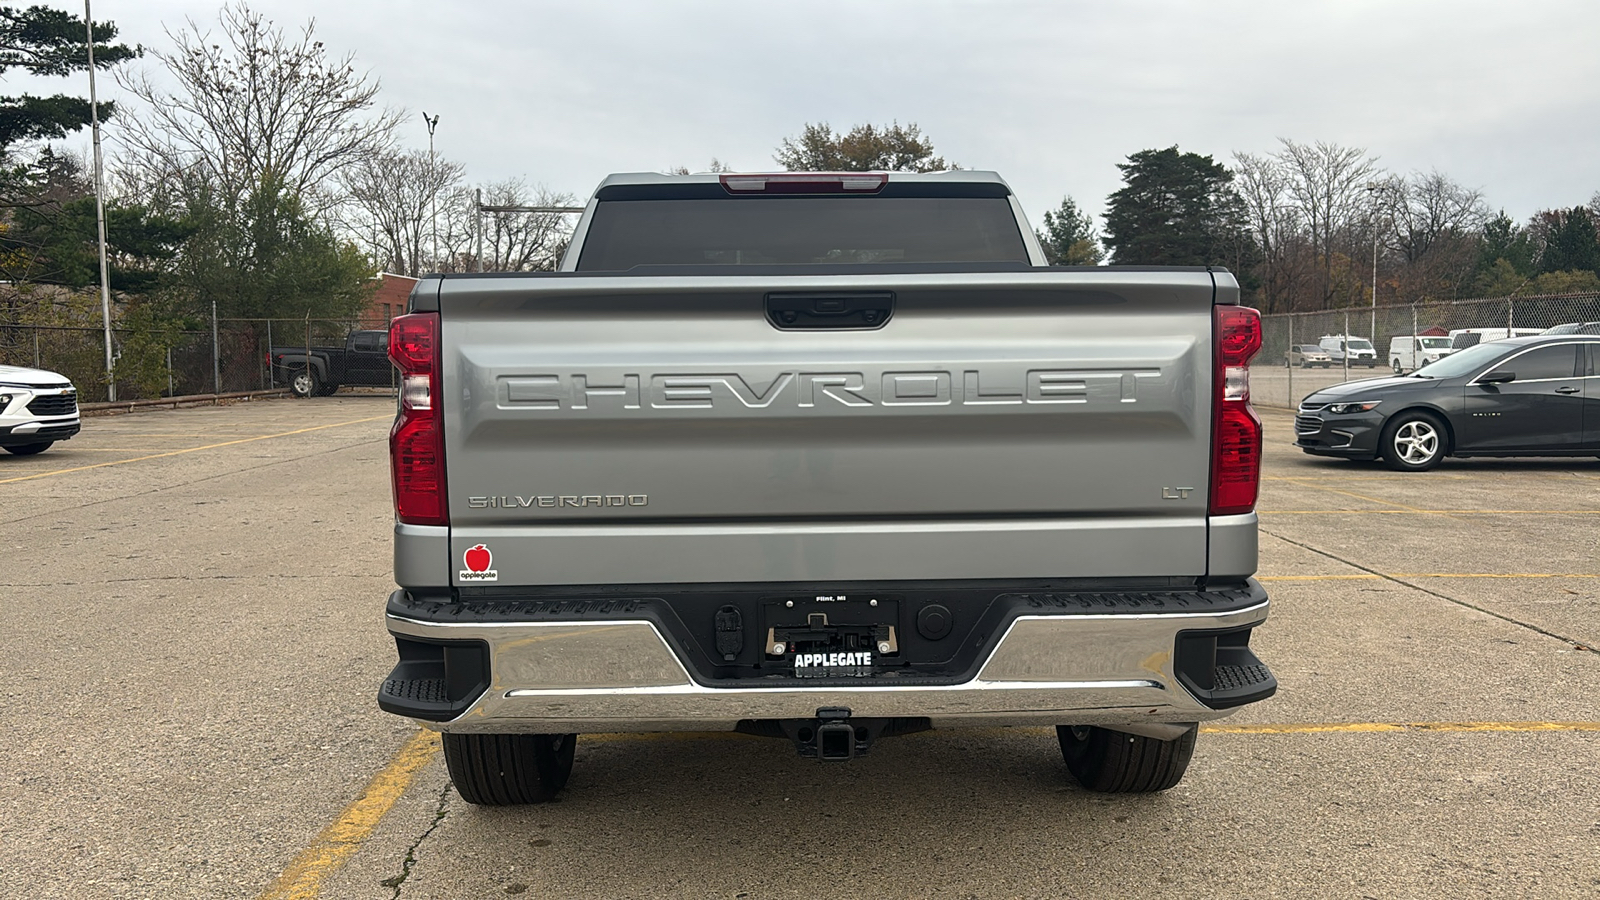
(388, 301)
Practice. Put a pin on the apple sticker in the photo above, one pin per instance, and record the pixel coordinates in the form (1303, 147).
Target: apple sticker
(478, 560)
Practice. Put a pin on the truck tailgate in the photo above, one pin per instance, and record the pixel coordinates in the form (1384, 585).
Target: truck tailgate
(660, 429)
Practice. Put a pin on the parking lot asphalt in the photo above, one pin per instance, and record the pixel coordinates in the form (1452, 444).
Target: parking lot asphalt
(195, 638)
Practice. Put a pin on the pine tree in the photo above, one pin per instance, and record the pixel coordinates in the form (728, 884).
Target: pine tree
(51, 42)
(1069, 238)
(1573, 245)
(1175, 209)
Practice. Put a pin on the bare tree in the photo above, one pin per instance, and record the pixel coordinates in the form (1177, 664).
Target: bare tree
(1327, 184)
(391, 197)
(1275, 223)
(254, 102)
(512, 241)
(716, 167)
(1431, 207)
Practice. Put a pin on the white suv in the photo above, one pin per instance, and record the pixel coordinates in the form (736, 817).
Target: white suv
(37, 408)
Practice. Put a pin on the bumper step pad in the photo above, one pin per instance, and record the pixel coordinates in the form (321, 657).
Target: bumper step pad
(435, 680)
(415, 690)
(1238, 678)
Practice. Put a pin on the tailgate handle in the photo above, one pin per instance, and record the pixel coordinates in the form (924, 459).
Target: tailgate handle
(857, 310)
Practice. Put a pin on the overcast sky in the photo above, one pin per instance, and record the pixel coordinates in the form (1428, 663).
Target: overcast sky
(1500, 96)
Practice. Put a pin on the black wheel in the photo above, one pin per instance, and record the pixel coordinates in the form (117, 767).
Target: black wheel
(1116, 762)
(327, 390)
(1413, 441)
(509, 769)
(305, 383)
(1395, 364)
(29, 449)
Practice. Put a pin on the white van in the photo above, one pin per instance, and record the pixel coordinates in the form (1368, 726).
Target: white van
(1407, 352)
(1362, 353)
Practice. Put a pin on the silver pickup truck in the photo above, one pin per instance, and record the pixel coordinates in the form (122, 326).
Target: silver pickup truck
(823, 457)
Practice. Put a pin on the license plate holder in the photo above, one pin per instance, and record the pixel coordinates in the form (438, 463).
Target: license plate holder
(831, 636)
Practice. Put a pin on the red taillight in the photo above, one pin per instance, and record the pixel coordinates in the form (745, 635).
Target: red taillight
(1238, 335)
(806, 183)
(416, 443)
(412, 342)
(1235, 429)
(417, 463)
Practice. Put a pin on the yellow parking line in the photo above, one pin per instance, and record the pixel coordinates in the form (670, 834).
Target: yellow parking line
(1392, 727)
(1305, 483)
(1494, 575)
(111, 449)
(118, 462)
(302, 878)
(1439, 512)
(1427, 575)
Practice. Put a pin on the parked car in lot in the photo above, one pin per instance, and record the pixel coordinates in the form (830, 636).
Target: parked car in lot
(37, 408)
(1359, 349)
(1462, 338)
(362, 361)
(1307, 355)
(1408, 352)
(1523, 396)
(1574, 328)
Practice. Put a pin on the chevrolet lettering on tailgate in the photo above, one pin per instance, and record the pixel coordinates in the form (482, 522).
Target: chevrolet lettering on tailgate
(971, 387)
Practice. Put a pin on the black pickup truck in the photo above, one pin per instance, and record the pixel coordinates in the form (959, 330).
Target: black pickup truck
(362, 361)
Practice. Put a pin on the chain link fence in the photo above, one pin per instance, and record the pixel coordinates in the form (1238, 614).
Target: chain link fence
(150, 364)
(1274, 381)
(233, 357)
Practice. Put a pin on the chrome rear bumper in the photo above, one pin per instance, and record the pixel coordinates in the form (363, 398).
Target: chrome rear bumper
(612, 676)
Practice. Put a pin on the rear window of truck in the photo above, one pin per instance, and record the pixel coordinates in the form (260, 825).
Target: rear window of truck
(799, 230)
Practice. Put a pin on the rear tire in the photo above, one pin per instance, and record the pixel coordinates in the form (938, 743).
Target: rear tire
(509, 769)
(1116, 762)
(29, 449)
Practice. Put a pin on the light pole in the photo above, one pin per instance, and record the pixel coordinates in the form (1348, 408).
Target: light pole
(1375, 189)
(100, 211)
(433, 187)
